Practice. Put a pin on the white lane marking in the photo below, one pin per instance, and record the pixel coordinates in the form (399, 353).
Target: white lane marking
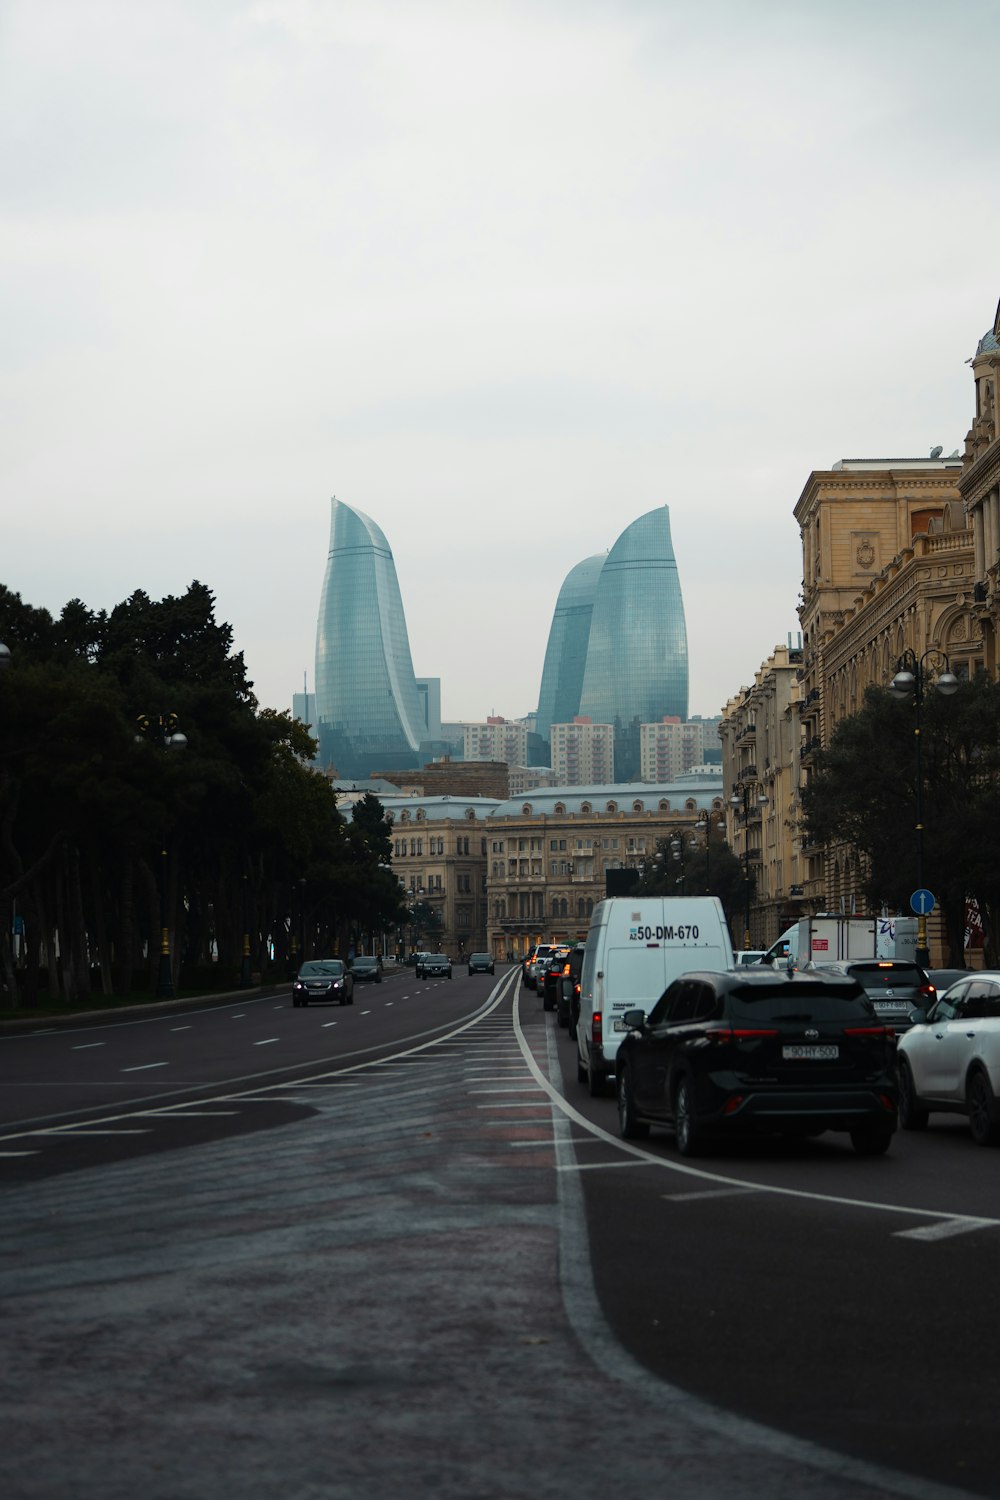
(19, 1153)
(522, 1104)
(239, 1016)
(700, 1193)
(364, 1013)
(85, 1046)
(597, 1166)
(266, 1041)
(715, 1178)
(143, 1067)
(65, 1130)
(512, 1088)
(181, 1112)
(945, 1231)
(180, 1028)
(327, 1024)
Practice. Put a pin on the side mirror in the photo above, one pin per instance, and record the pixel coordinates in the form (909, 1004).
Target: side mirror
(634, 1019)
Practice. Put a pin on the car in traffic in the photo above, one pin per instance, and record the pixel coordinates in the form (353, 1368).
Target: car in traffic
(549, 975)
(529, 970)
(568, 998)
(753, 1053)
(949, 1060)
(896, 987)
(481, 963)
(366, 968)
(749, 956)
(323, 979)
(433, 966)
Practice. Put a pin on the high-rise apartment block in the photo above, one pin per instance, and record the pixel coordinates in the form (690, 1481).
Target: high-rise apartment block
(497, 739)
(582, 752)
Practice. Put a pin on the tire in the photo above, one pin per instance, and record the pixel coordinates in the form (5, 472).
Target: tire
(631, 1127)
(596, 1082)
(548, 1004)
(690, 1138)
(871, 1140)
(581, 1070)
(912, 1114)
(983, 1127)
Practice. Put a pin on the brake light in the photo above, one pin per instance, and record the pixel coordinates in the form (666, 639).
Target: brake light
(738, 1033)
(733, 1104)
(929, 990)
(869, 1031)
(597, 1029)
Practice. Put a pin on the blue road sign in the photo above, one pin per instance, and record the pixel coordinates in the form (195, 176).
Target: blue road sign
(922, 902)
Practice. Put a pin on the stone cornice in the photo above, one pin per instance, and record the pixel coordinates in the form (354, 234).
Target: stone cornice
(982, 475)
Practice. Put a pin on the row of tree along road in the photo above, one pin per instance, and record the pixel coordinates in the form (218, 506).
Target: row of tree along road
(158, 828)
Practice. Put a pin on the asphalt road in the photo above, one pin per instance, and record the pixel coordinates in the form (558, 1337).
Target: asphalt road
(385, 1250)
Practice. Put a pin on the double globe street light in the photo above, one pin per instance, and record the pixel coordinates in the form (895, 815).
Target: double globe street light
(911, 680)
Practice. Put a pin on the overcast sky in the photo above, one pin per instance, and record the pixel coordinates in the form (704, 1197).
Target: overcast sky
(503, 274)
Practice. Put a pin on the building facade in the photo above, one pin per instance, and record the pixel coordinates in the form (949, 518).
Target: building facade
(549, 853)
(979, 486)
(368, 711)
(582, 753)
(439, 848)
(760, 766)
(669, 748)
(497, 739)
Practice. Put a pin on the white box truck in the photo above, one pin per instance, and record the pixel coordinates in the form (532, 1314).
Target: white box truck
(827, 939)
(635, 947)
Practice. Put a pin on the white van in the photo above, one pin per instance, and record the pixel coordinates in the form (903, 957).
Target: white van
(636, 946)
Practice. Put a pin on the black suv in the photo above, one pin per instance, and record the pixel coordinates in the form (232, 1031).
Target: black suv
(749, 1053)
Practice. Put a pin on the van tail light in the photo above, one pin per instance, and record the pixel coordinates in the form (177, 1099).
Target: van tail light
(597, 1029)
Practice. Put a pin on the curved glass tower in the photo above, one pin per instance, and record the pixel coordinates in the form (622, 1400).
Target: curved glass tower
(566, 652)
(637, 663)
(367, 707)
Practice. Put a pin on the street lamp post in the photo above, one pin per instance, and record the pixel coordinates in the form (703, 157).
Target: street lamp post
(163, 731)
(743, 796)
(912, 676)
(704, 825)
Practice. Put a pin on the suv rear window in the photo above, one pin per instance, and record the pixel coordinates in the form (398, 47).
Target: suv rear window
(876, 977)
(798, 1002)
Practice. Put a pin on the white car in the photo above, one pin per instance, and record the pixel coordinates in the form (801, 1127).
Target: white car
(950, 1059)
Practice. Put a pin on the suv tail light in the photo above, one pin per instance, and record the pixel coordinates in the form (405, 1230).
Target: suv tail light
(738, 1033)
(870, 1031)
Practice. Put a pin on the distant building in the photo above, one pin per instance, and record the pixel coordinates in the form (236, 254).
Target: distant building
(583, 752)
(623, 617)
(497, 739)
(368, 709)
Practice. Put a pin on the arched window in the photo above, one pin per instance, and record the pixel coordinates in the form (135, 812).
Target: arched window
(637, 806)
(664, 805)
(421, 815)
(560, 807)
(612, 807)
(526, 810)
(585, 807)
(470, 813)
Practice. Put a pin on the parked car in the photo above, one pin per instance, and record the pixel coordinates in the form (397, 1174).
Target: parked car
(755, 1053)
(895, 987)
(950, 1059)
(367, 967)
(434, 966)
(481, 963)
(549, 975)
(568, 998)
(323, 979)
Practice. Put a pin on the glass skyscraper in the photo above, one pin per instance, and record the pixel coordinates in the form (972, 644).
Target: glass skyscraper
(566, 652)
(368, 711)
(636, 668)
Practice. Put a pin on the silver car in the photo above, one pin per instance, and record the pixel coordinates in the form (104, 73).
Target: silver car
(949, 1060)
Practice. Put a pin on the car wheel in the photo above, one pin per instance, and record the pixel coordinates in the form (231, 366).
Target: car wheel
(690, 1141)
(547, 1004)
(632, 1128)
(912, 1115)
(581, 1069)
(596, 1082)
(979, 1097)
(871, 1140)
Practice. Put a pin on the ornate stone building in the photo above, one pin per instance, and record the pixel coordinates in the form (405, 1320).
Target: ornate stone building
(887, 567)
(979, 485)
(760, 768)
(549, 853)
(439, 857)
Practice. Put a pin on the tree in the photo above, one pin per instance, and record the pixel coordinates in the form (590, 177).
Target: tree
(863, 793)
(717, 872)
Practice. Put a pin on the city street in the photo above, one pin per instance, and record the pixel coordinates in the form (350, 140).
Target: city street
(395, 1249)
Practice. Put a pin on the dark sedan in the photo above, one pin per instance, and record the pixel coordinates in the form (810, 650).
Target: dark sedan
(323, 979)
(757, 1053)
(366, 968)
(481, 963)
